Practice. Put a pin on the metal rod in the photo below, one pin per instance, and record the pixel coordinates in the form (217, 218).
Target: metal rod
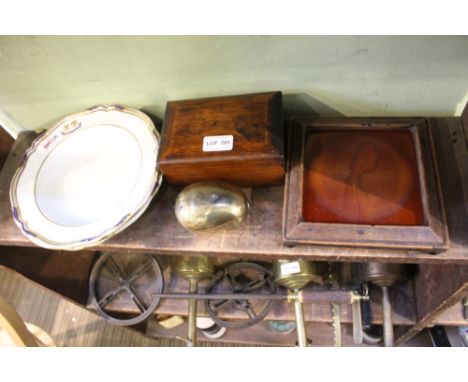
(192, 313)
(387, 317)
(221, 296)
(300, 322)
(336, 311)
(357, 322)
(308, 297)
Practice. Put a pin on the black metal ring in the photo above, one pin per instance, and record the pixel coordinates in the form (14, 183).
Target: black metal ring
(221, 275)
(125, 284)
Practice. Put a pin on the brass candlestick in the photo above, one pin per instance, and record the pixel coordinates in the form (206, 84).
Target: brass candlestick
(194, 269)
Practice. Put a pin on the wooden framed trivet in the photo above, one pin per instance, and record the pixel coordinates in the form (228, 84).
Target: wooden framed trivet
(367, 182)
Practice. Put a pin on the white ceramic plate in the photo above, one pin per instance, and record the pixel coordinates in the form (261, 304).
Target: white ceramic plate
(87, 178)
(83, 244)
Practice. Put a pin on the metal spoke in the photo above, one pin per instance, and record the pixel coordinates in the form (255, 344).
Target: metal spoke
(116, 269)
(137, 300)
(109, 296)
(216, 307)
(234, 283)
(139, 271)
(244, 279)
(217, 277)
(254, 285)
(250, 311)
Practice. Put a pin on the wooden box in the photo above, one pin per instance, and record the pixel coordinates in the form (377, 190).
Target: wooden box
(368, 182)
(238, 139)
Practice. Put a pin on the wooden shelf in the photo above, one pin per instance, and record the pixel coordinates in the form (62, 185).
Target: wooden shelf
(260, 238)
(158, 231)
(453, 316)
(62, 272)
(438, 292)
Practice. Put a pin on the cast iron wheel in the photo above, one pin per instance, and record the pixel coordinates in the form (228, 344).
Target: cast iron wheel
(242, 277)
(122, 279)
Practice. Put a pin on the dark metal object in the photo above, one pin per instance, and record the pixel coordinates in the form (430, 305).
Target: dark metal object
(124, 272)
(362, 318)
(225, 296)
(465, 307)
(439, 336)
(241, 279)
(366, 309)
(385, 275)
(306, 295)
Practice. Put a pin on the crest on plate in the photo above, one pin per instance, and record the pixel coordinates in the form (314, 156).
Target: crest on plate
(70, 127)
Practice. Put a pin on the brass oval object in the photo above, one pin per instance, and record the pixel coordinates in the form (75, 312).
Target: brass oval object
(205, 205)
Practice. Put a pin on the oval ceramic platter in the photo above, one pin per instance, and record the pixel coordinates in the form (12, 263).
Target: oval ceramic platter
(87, 178)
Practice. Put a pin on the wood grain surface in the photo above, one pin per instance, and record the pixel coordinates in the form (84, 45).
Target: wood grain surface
(68, 323)
(366, 177)
(438, 289)
(254, 121)
(6, 142)
(63, 272)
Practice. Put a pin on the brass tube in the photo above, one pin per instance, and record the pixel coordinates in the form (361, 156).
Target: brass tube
(387, 317)
(192, 314)
(300, 322)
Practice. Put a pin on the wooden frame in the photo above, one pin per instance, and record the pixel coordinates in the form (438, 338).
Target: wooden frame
(430, 236)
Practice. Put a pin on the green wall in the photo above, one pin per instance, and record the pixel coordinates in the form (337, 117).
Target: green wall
(44, 78)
